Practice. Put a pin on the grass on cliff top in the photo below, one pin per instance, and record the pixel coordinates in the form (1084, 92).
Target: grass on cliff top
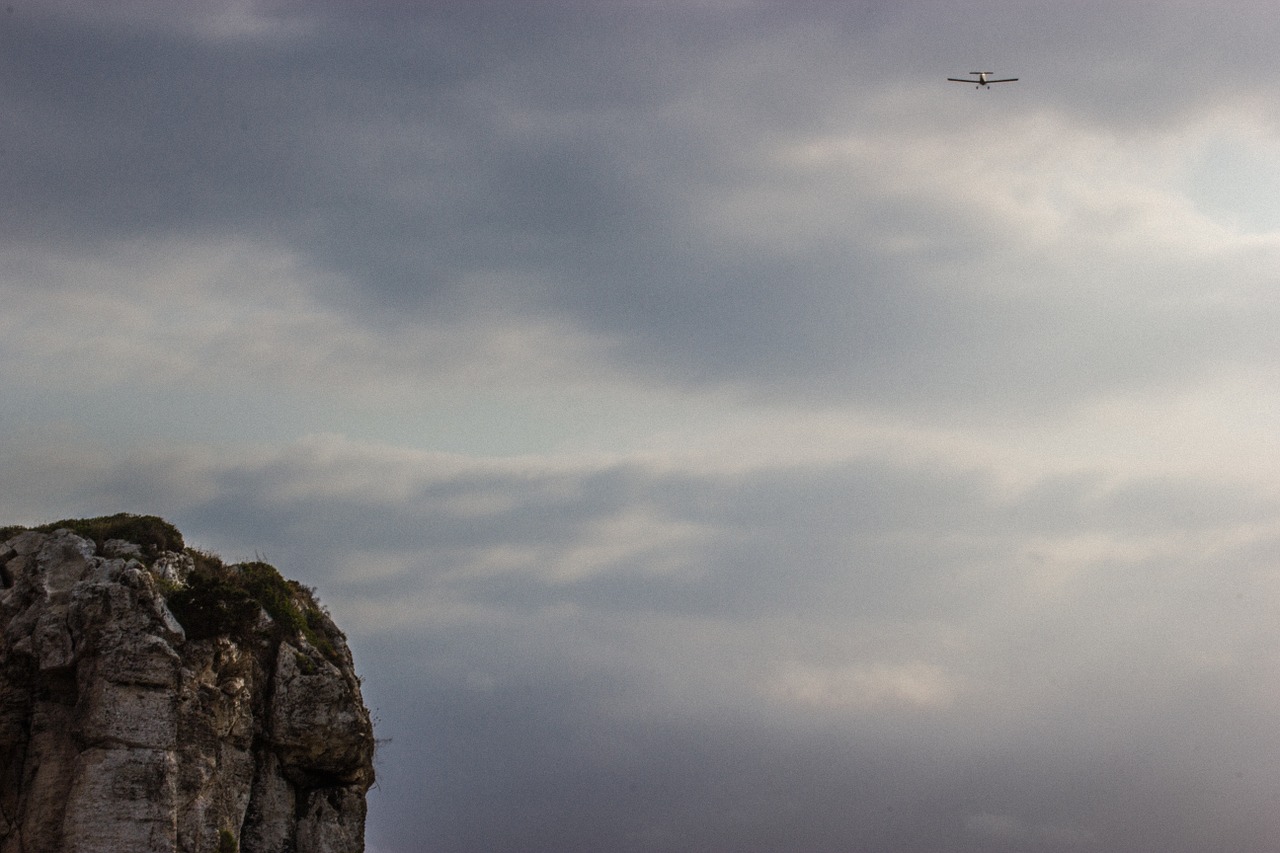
(217, 599)
(221, 600)
(152, 533)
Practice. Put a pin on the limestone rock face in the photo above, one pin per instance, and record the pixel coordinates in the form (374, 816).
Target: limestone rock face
(165, 702)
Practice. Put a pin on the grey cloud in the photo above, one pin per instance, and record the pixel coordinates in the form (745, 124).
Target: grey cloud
(870, 539)
(567, 153)
(1102, 695)
(726, 783)
(890, 652)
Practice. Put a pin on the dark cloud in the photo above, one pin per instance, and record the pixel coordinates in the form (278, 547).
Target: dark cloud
(579, 157)
(876, 654)
(539, 764)
(972, 620)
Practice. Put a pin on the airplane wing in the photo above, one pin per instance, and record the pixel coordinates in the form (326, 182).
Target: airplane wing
(958, 80)
(1006, 80)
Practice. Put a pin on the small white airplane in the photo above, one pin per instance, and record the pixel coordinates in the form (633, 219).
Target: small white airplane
(983, 81)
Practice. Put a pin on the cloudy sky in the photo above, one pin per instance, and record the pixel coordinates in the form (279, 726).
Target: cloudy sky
(715, 431)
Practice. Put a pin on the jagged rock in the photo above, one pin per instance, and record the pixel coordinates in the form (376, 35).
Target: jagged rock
(155, 700)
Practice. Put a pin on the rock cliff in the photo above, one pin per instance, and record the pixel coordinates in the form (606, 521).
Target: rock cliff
(154, 699)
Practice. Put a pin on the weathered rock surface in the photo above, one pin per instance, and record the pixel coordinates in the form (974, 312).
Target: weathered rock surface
(157, 700)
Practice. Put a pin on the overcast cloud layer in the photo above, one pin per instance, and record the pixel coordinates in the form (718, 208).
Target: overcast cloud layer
(715, 431)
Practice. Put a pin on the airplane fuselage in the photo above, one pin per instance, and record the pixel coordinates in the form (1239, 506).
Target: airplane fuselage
(984, 80)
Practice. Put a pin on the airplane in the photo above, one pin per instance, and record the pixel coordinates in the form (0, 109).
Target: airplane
(983, 81)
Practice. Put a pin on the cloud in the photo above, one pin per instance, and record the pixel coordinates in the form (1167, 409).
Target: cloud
(1007, 830)
(716, 431)
(716, 219)
(912, 685)
(675, 652)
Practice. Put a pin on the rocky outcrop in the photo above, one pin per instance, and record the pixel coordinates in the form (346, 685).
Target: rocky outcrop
(154, 699)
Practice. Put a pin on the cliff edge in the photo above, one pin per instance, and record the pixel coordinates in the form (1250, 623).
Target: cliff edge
(154, 699)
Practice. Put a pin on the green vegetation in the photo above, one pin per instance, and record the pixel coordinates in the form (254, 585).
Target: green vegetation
(305, 664)
(152, 533)
(221, 600)
(227, 842)
(292, 605)
(213, 604)
(216, 599)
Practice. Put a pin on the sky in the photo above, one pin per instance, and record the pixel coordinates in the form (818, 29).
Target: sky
(714, 430)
